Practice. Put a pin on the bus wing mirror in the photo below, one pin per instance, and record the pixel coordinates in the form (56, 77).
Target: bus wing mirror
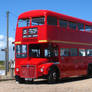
(13, 48)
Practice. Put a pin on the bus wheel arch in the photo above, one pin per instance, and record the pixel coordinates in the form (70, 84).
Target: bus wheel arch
(53, 74)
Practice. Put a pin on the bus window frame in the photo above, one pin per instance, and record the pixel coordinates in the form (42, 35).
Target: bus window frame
(38, 17)
(22, 53)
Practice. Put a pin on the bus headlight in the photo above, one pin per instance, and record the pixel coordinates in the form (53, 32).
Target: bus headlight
(41, 69)
(17, 69)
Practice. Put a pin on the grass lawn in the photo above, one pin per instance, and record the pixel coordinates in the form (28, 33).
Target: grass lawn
(2, 67)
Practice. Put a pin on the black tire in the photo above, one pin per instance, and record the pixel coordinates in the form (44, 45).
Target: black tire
(20, 80)
(90, 70)
(53, 76)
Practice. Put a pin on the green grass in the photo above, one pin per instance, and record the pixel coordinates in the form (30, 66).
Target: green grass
(1, 62)
(2, 65)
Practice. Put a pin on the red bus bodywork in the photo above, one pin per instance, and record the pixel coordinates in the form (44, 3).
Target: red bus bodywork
(58, 37)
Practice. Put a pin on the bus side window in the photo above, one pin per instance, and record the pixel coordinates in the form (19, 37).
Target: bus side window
(89, 52)
(82, 52)
(72, 25)
(88, 28)
(80, 27)
(73, 52)
(63, 23)
(56, 51)
(64, 52)
(51, 20)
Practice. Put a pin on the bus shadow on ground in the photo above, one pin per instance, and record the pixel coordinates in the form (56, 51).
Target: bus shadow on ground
(65, 80)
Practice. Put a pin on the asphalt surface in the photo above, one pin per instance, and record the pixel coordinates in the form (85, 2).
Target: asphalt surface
(79, 84)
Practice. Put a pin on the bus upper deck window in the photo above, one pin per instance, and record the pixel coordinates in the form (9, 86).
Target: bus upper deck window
(80, 27)
(72, 25)
(63, 23)
(23, 22)
(51, 20)
(37, 21)
(88, 28)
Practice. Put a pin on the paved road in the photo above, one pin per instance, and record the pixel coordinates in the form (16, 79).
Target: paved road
(66, 85)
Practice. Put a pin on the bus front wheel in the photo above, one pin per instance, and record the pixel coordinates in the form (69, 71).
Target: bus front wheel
(20, 80)
(53, 76)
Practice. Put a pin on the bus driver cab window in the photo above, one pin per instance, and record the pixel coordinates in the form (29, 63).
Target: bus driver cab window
(34, 51)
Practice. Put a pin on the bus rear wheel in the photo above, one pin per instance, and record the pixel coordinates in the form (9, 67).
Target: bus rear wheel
(90, 70)
(53, 76)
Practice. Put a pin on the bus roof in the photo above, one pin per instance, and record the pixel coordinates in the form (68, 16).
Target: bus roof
(37, 13)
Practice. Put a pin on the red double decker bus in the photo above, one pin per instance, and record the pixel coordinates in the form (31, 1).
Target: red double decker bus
(52, 45)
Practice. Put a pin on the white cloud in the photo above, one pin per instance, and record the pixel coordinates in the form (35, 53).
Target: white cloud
(11, 39)
(3, 45)
(3, 41)
(1, 37)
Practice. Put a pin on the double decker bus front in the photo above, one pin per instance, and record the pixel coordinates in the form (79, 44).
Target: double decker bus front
(32, 56)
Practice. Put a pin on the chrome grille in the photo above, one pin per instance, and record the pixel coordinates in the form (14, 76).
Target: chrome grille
(28, 71)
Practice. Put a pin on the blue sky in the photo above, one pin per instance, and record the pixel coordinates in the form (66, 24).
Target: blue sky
(77, 8)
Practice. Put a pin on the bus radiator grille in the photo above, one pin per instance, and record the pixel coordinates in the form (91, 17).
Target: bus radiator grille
(28, 71)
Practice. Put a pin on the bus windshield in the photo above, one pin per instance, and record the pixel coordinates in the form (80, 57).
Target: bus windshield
(37, 21)
(24, 22)
(21, 51)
